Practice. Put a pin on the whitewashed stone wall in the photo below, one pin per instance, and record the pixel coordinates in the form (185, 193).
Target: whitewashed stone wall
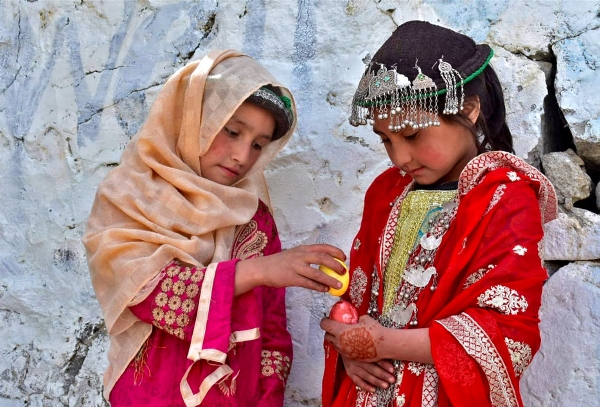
(76, 82)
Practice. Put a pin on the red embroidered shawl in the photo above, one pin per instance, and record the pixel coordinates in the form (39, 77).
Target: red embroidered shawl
(483, 315)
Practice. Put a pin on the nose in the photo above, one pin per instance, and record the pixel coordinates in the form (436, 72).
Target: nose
(240, 153)
(400, 154)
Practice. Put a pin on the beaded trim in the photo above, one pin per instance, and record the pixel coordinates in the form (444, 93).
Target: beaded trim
(410, 104)
(280, 102)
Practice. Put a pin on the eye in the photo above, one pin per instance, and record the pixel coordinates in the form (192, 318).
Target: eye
(230, 132)
(257, 146)
(412, 136)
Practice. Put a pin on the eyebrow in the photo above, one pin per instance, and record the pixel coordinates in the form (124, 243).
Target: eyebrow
(246, 125)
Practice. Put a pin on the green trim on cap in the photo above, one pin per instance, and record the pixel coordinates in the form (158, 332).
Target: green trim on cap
(441, 91)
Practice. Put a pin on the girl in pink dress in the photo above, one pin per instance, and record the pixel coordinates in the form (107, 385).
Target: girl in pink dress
(184, 253)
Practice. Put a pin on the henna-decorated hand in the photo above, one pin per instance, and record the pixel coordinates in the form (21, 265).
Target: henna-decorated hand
(370, 375)
(361, 341)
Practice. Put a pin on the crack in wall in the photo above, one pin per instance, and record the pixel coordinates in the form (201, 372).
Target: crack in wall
(14, 78)
(84, 341)
(96, 71)
(575, 35)
(556, 134)
(116, 102)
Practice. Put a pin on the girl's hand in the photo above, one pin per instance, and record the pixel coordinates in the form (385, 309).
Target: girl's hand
(291, 268)
(361, 342)
(369, 376)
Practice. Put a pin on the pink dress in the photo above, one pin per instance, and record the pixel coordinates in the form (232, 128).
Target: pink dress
(249, 329)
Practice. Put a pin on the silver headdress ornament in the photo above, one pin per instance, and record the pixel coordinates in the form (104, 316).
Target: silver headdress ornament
(410, 104)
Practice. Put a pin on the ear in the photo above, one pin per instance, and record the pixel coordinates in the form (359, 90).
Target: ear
(471, 108)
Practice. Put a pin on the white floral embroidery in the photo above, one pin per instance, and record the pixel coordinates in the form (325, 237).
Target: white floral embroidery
(496, 198)
(400, 400)
(416, 368)
(357, 244)
(365, 399)
(504, 299)
(520, 355)
(520, 250)
(475, 277)
(358, 287)
(513, 176)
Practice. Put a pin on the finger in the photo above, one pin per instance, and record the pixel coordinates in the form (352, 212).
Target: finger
(319, 278)
(329, 249)
(380, 375)
(330, 326)
(386, 365)
(332, 341)
(312, 283)
(336, 264)
(363, 385)
(323, 323)
(373, 381)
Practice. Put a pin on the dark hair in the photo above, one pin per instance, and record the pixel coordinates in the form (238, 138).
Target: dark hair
(490, 131)
(271, 98)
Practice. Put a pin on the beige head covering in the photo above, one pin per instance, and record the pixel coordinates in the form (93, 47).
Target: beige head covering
(155, 206)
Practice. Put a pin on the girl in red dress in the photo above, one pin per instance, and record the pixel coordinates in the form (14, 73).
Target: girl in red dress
(445, 269)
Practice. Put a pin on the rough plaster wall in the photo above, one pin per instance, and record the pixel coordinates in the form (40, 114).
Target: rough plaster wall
(76, 82)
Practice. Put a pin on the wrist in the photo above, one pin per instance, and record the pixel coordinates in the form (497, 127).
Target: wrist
(406, 344)
(389, 344)
(247, 277)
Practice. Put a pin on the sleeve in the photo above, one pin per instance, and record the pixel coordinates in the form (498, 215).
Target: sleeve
(173, 304)
(277, 352)
(483, 349)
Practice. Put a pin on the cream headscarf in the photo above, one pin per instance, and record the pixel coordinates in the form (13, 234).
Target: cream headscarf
(155, 206)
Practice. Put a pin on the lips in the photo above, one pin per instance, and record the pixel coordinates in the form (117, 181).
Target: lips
(414, 171)
(229, 172)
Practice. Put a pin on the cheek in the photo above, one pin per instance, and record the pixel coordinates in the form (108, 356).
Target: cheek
(254, 156)
(432, 154)
(395, 150)
(216, 149)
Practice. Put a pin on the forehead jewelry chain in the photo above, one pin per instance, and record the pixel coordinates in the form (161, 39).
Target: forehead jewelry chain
(449, 75)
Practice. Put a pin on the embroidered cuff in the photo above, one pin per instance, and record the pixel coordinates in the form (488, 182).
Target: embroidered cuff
(176, 299)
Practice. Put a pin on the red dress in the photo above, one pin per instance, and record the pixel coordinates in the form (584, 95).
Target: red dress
(247, 332)
(473, 276)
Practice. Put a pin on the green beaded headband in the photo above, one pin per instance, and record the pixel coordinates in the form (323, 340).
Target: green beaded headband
(413, 103)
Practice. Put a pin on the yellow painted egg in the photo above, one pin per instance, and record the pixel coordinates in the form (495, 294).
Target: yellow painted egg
(344, 278)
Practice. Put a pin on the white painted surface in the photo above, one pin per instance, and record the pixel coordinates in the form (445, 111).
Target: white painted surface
(77, 80)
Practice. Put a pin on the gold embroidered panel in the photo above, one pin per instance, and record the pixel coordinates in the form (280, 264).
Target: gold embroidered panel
(178, 298)
(275, 363)
(415, 211)
(248, 241)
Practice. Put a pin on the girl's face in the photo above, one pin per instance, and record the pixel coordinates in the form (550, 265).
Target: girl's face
(431, 155)
(238, 145)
